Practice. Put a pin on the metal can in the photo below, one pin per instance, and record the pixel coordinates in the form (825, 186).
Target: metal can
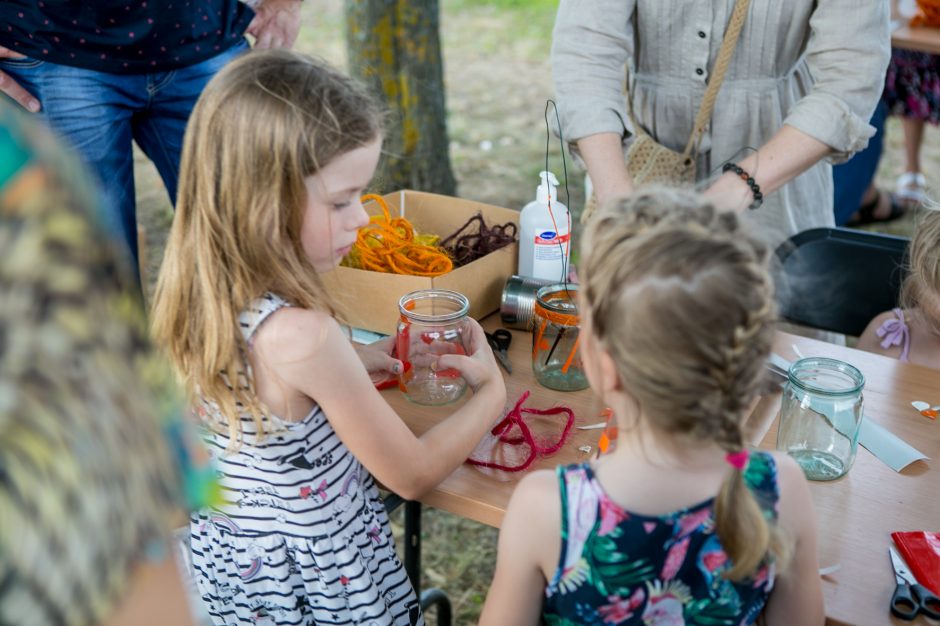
(517, 305)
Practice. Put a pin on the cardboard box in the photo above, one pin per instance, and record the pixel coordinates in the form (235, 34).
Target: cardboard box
(370, 299)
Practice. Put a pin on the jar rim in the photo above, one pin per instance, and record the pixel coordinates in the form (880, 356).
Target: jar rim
(568, 288)
(803, 365)
(563, 315)
(460, 300)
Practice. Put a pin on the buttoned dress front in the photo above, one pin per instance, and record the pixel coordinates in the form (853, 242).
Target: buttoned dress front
(816, 65)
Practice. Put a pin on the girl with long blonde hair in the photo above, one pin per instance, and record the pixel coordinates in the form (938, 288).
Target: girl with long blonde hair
(277, 154)
(682, 522)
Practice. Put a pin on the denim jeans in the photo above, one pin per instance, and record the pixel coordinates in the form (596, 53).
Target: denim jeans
(99, 114)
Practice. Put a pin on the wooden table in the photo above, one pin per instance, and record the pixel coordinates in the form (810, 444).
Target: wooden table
(920, 38)
(855, 514)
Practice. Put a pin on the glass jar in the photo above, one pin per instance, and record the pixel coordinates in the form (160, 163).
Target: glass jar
(556, 361)
(820, 416)
(432, 324)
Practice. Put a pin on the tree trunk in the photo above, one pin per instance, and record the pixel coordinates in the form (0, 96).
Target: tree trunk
(394, 47)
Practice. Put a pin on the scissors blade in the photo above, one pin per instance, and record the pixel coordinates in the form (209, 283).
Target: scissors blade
(901, 572)
(503, 360)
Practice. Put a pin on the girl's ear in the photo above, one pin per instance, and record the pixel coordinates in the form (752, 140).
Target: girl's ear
(607, 369)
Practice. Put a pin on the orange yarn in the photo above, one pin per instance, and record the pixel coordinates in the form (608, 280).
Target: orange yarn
(388, 245)
(929, 14)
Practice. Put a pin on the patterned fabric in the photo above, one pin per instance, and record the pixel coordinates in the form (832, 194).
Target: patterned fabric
(894, 332)
(88, 479)
(912, 85)
(618, 567)
(305, 538)
(122, 36)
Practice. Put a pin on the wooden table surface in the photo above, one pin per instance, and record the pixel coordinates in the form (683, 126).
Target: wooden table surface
(920, 38)
(855, 514)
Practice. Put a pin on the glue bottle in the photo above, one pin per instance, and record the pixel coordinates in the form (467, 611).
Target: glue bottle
(544, 242)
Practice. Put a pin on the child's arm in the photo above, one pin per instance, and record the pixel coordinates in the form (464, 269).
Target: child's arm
(307, 353)
(869, 339)
(797, 595)
(529, 545)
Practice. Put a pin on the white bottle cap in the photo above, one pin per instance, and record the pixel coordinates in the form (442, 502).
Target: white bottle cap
(546, 189)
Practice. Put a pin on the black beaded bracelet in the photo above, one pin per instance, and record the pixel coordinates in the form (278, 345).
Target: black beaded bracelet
(749, 180)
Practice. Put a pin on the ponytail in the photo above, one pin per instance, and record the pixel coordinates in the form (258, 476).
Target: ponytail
(746, 535)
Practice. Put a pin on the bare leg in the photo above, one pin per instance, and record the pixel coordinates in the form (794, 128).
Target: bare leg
(913, 138)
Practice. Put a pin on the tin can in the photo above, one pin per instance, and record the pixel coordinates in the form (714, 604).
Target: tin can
(517, 305)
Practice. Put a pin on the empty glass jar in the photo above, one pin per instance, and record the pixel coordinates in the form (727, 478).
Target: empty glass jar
(556, 360)
(820, 416)
(432, 324)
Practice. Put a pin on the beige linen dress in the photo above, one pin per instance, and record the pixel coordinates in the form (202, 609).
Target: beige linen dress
(816, 65)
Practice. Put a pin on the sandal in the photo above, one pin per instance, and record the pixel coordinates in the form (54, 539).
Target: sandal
(911, 189)
(866, 212)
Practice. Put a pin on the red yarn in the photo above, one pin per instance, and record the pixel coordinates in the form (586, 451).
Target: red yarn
(514, 419)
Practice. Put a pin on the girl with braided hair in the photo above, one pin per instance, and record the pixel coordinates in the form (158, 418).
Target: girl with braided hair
(682, 522)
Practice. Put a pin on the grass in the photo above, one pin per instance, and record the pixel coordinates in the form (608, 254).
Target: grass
(497, 78)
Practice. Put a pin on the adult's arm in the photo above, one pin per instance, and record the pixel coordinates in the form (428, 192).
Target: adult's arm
(591, 44)
(12, 88)
(847, 53)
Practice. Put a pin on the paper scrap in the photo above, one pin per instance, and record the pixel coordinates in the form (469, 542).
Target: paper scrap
(891, 449)
(585, 449)
(592, 426)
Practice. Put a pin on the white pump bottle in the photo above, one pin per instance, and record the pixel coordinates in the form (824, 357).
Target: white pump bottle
(544, 243)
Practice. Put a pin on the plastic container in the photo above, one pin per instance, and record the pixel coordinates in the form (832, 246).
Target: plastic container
(432, 324)
(820, 416)
(544, 234)
(556, 358)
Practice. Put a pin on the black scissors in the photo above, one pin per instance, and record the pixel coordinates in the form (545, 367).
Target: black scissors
(499, 340)
(910, 598)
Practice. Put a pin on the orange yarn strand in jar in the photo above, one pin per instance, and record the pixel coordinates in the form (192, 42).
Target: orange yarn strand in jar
(388, 245)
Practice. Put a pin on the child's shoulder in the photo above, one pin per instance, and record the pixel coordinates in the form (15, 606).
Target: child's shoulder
(295, 331)
(869, 339)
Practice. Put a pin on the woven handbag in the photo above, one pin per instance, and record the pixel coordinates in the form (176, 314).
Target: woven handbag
(650, 162)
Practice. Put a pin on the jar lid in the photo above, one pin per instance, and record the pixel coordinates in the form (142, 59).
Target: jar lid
(434, 305)
(826, 376)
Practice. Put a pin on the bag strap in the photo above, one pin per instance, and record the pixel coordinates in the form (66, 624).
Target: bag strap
(728, 45)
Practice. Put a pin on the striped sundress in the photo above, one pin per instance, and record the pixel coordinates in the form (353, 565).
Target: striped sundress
(305, 538)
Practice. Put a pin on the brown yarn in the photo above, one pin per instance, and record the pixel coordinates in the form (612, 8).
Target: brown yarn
(466, 248)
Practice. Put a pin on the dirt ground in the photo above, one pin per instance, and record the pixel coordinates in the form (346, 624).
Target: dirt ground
(498, 80)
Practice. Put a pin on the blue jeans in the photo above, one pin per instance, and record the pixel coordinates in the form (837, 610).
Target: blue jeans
(852, 178)
(100, 113)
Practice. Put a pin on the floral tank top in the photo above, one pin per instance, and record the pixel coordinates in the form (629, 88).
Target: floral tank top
(618, 567)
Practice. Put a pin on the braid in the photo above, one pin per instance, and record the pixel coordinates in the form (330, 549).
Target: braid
(679, 295)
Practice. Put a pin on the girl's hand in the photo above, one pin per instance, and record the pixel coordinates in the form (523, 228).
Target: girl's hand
(378, 360)
(479, 366)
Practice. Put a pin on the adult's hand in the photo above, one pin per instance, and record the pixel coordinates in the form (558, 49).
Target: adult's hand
(276, 23)
(12, 88)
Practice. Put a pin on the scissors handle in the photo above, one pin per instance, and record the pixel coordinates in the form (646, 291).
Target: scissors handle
(903, 603)
(929, 603)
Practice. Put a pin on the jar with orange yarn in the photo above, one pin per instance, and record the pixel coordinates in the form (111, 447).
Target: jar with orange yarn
(432, 324)
(556, 358)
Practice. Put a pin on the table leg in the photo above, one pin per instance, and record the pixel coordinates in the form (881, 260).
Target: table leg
(429, 597)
